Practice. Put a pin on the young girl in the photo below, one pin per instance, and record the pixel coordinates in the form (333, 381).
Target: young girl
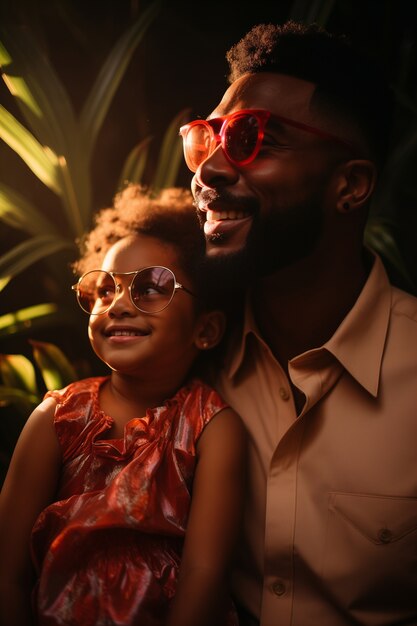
(128, 488)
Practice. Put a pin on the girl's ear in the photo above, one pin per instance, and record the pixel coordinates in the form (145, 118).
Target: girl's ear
(210, 329)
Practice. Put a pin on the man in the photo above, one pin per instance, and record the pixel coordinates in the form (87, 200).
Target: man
(323, 369)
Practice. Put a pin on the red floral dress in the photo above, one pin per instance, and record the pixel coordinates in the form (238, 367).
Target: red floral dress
(108, 551)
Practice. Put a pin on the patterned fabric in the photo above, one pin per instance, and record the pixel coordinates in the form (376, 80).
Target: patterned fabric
(108, 551)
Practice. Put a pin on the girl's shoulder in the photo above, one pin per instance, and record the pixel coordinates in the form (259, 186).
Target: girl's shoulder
(198, 401)
(87, 387)
(78, 417)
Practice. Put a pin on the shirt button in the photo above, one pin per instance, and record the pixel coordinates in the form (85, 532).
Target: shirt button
(284, 394)
(384, 535)
(278, 587)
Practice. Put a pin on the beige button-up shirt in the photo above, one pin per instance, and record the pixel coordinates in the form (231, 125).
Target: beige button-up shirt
(331, 520)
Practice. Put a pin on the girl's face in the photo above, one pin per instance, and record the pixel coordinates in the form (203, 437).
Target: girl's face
(141, 344)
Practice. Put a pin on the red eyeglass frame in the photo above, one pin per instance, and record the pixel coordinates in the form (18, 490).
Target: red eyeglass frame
(262, 115)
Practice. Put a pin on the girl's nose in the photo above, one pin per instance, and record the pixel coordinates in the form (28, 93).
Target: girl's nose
(122, 304)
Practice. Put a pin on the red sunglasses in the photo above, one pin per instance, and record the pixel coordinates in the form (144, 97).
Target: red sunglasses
(241, 134)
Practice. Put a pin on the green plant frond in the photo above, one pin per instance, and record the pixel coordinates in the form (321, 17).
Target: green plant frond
(31, 317)
(16, 84)
(70, 17)
(402, 152)
(23, 400)
(25, 254)
(37, 89)
(18, 212)
(77, 217)
(135, 164)
(171, 154)
(40, 159)
(378, 237)
(4, 281)
(47, 109)
(17, 371)
(55, 368)
(308, 11)
(78, 170)
(110, 76)
(321, 11)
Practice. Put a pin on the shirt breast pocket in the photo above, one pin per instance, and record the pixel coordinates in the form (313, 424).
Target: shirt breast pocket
(370, 560)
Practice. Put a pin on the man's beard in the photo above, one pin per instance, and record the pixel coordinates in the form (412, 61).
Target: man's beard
(275, 242)
(287, 236)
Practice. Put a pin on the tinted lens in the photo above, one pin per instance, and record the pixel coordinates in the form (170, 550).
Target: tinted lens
(241, 137)
(152, 289)
(197, 144)
(96, 291)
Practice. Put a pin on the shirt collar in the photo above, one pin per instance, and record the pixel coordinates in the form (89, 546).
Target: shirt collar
(358, 343)
(237, 344)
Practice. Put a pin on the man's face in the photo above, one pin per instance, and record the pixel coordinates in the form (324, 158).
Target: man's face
(271, 212)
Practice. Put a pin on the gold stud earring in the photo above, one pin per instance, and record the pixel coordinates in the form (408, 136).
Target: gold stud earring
(205, 345)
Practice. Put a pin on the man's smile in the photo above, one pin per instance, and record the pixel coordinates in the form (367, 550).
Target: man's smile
(228, 230)
(215, 216)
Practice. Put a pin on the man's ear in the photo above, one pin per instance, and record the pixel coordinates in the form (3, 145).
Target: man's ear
(210, 329)
(356, 184)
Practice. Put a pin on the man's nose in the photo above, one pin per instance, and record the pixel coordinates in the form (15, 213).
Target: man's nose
(216, 170)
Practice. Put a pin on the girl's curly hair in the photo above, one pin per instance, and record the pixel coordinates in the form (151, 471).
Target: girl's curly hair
(168, 215)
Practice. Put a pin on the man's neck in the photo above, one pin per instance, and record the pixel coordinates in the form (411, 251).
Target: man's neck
(300, 308)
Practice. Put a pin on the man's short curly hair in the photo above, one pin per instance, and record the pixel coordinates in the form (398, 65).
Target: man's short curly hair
(169, 216)
(348, 82)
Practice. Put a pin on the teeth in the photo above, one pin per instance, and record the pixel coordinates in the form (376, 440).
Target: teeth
(124, 333)
(214, 216)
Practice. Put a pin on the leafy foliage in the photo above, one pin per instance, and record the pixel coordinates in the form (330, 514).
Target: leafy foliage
(19, 377)
(56, 146)
(23, 384)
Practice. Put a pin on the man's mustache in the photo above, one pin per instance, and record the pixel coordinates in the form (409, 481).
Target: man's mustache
(224, 200)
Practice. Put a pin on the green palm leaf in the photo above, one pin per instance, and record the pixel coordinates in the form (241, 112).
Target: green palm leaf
(17, 371)
(37, 89)
(135, 164)
(47, 109)
(23, 400)
(25, 254)
(77, 214)
(56, 369)
(33, 317)
(378, 237)
(308, 11)
(171, 155)
(108, 80)
(18, 212)
(41, 160)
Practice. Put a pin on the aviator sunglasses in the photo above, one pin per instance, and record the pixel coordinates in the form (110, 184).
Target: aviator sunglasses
(240, 134)
(151, 289)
